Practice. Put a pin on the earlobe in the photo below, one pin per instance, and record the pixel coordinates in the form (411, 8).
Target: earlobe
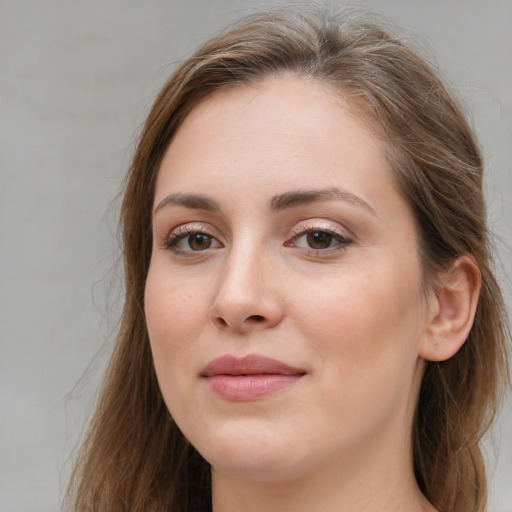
(454, 311)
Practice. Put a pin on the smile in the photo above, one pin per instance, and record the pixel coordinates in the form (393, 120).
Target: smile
(249, 377)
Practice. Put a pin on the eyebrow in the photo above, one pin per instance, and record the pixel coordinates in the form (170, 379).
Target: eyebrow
(300, 197)
(192, 201)
(277, 203)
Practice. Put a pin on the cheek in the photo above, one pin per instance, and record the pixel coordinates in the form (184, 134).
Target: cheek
(172, 316)
(365, 326)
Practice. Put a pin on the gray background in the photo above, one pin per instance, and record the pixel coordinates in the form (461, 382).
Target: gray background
(76, 79)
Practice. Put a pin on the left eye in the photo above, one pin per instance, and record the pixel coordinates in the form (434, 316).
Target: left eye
(319, 239)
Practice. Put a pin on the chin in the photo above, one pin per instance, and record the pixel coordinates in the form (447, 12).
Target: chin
(251, 452)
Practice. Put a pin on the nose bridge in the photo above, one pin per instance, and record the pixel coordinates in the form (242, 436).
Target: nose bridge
(245, 296)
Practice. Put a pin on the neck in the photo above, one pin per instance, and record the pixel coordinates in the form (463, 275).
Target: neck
(386, 486)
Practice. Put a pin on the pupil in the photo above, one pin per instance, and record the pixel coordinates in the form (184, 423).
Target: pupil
(319, 239)
(199, 241)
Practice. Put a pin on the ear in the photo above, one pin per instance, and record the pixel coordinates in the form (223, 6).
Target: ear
(453, 310)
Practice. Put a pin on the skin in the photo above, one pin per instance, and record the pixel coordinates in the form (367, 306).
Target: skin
(353, 315)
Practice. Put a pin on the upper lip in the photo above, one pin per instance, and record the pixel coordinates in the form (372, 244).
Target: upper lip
(252, 364)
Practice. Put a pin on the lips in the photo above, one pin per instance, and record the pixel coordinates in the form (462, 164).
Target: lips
(250, 377)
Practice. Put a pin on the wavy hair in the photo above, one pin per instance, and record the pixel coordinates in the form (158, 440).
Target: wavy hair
(134, 458)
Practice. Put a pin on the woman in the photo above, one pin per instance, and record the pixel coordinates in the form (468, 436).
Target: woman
(311, 319)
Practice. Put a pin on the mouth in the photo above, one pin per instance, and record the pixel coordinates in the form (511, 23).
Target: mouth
(250, 377)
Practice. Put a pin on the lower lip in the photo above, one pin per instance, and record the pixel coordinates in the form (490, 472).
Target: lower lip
(249, 387)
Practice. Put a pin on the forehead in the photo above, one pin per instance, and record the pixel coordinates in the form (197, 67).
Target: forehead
(287, 127)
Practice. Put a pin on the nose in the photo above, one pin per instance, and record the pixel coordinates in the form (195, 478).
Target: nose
(247, 296)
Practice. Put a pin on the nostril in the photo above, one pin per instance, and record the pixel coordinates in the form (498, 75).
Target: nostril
(256, 319)
(222, 322)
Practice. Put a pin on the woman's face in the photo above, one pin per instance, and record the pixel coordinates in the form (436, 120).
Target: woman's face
(284, 299)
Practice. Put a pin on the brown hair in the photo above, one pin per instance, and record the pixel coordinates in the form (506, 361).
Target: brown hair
(134, 457)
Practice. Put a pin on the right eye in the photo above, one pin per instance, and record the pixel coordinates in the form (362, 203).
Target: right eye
(187, 240)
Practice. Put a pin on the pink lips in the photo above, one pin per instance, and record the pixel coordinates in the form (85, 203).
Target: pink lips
(249, 377)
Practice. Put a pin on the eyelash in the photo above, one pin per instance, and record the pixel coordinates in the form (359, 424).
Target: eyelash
(184, 232)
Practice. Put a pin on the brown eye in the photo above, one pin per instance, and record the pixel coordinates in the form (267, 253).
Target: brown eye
(199, 241)
(319, 239)
(191, 241)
